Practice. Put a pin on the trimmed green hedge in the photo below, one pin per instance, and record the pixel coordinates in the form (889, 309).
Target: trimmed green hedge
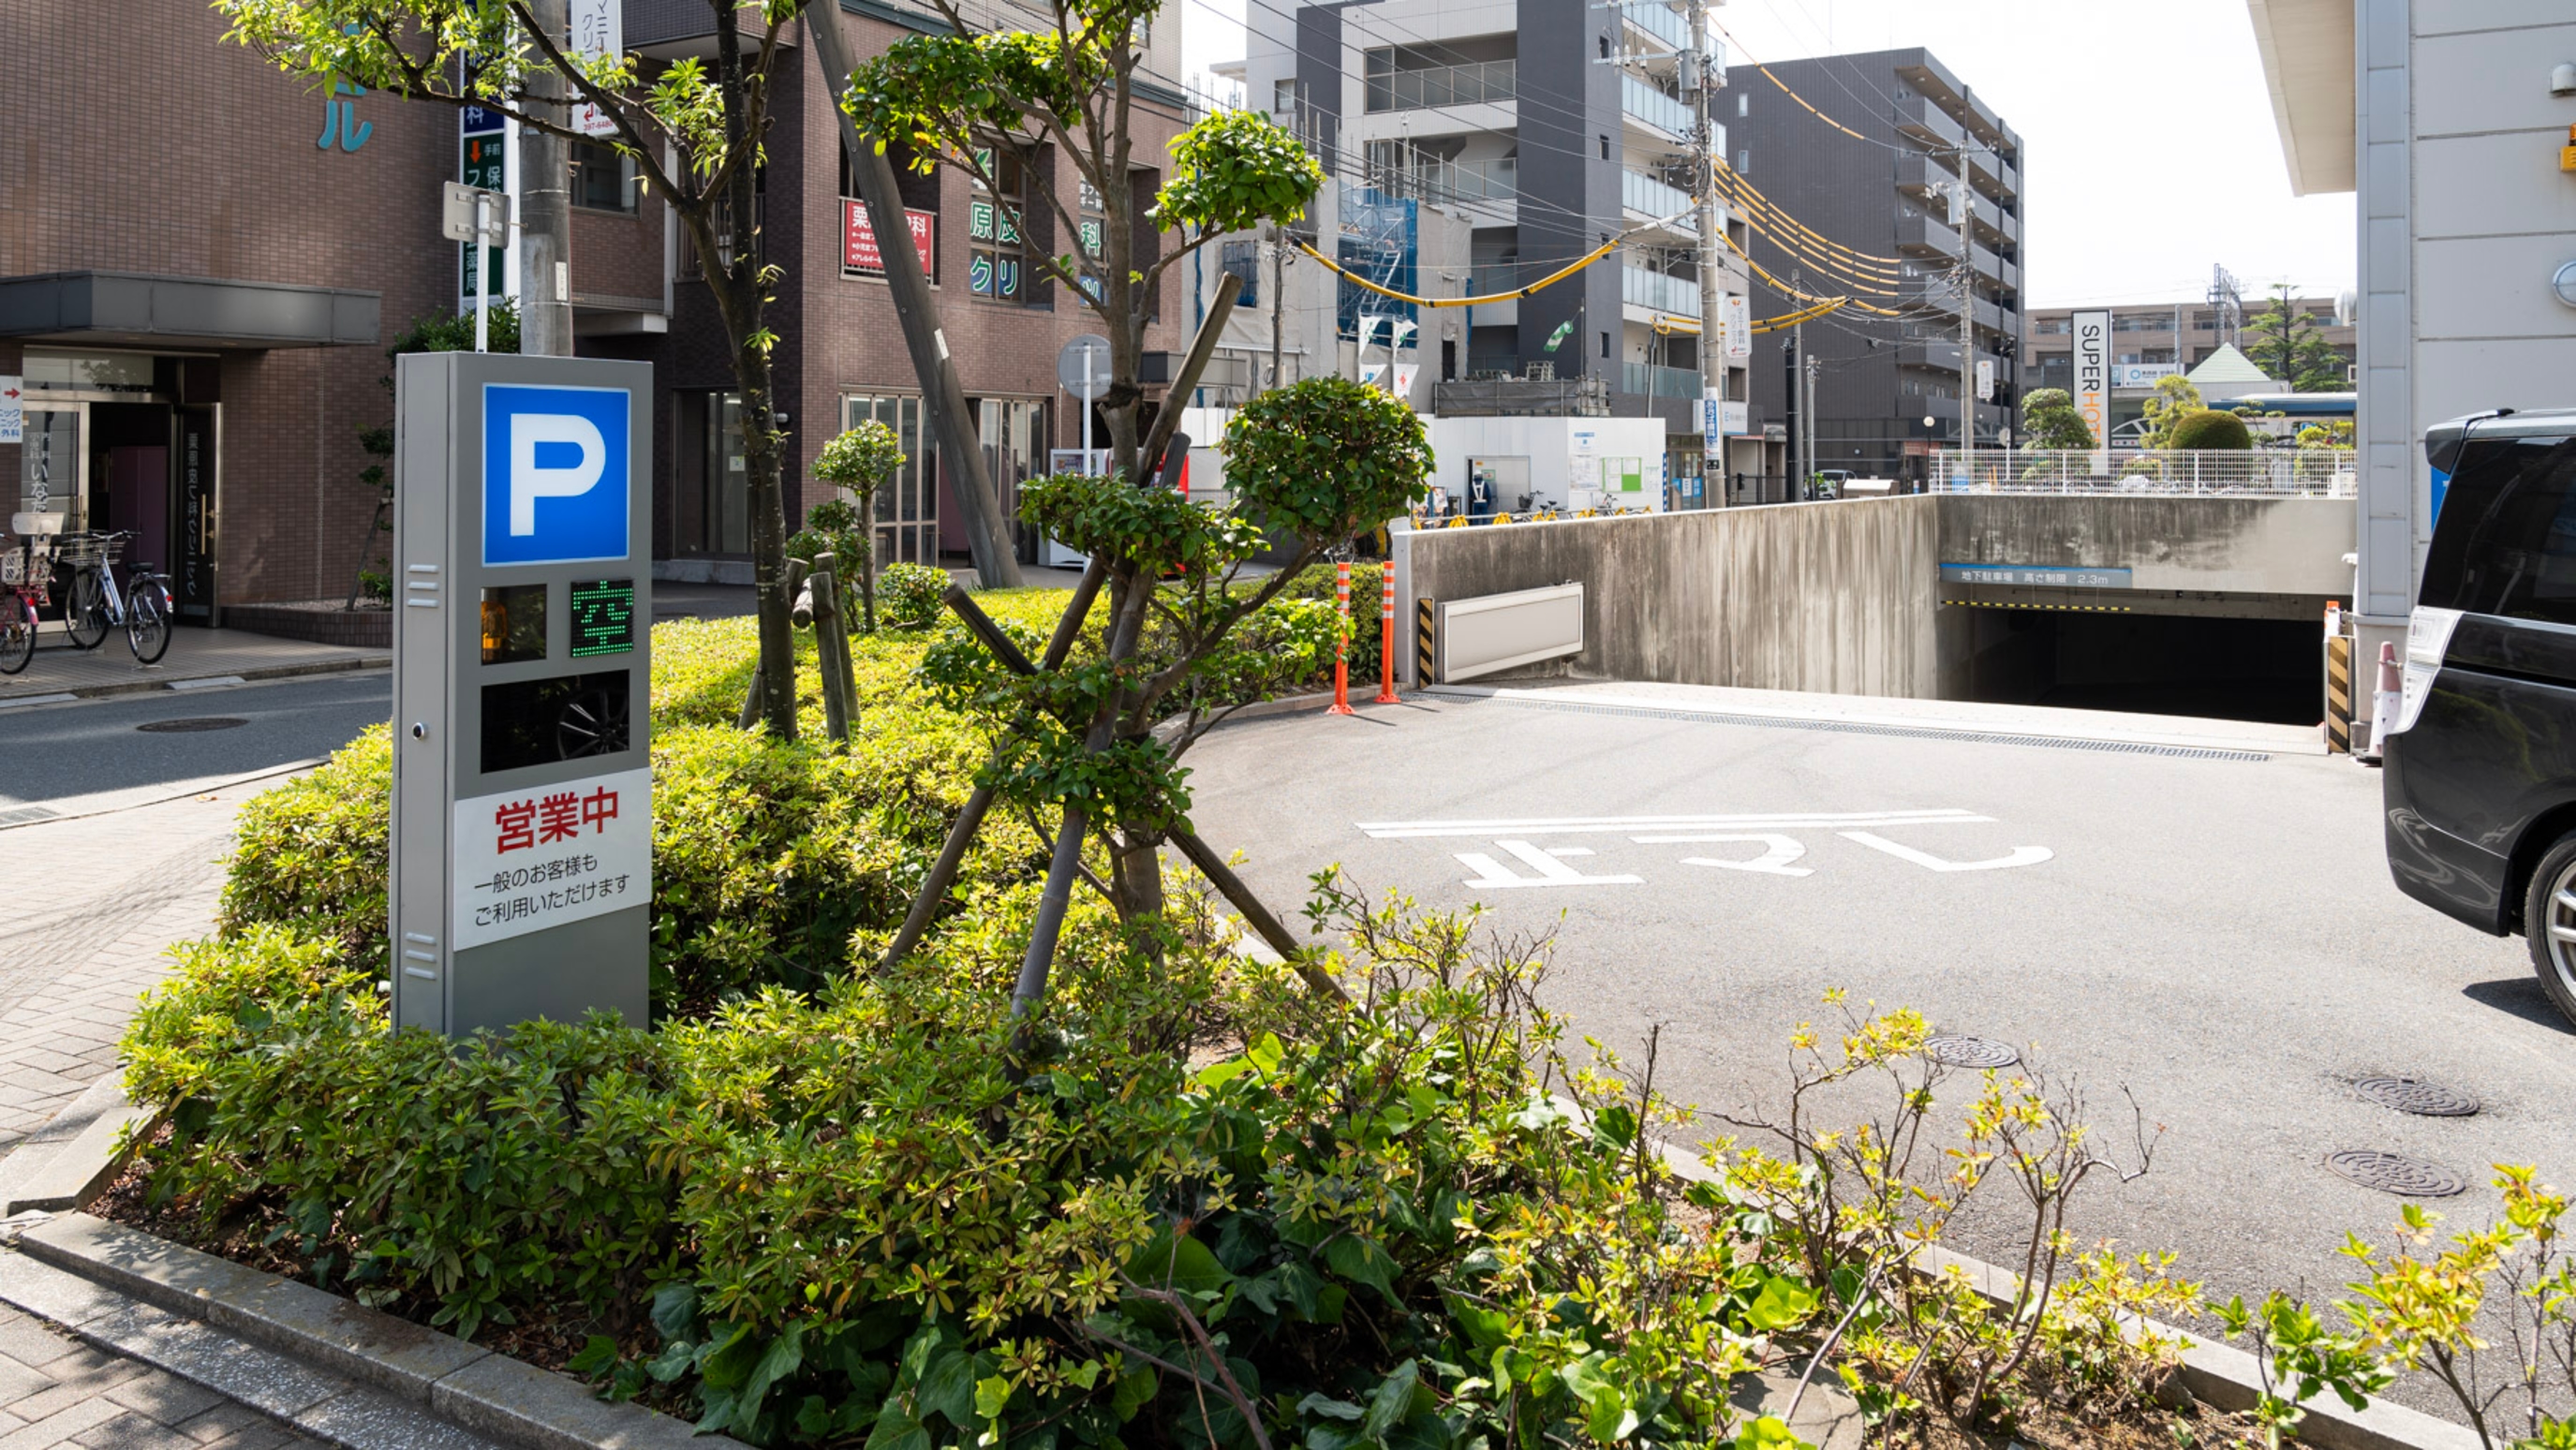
(2210, 430)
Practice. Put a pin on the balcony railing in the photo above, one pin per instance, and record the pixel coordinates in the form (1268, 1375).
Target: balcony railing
(1659, 291)
(1918, 116)
(1448, 85)
(1660, 21)
(1658, 382)
(1653, 107)
(1641, 193)
(1430, 178)
(2314, 472)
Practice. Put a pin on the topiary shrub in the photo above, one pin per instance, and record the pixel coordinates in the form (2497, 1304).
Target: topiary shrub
(912, 595)
(2210, 430)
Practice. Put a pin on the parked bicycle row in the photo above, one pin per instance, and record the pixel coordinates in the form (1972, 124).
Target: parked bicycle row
(81, 567)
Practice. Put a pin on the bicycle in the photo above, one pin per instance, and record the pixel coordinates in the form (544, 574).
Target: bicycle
(94, 602)
(22, 591)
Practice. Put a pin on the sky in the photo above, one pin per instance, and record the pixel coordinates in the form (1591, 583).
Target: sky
(2148, 149)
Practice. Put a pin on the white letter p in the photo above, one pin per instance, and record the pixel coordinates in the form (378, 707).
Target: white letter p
(528, 482)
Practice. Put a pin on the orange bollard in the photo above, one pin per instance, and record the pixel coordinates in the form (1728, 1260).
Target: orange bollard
(1342, 643)
(1386, 641)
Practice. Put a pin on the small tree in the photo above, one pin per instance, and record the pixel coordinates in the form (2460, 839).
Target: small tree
(2174, 398)
(2049, 420)
(693, 130)
(976, 101)
(2287, 344)
(859, 462)
(1315, 462)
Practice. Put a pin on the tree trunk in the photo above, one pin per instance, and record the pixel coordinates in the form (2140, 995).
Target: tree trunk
(733, 271)
(868, 557)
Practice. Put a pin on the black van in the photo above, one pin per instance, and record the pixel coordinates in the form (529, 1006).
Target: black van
(2480, 786)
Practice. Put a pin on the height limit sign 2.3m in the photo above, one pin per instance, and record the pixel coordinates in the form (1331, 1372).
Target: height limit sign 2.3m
(523, 793)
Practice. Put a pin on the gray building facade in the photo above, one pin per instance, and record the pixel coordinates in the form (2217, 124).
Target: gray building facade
(1883, 195)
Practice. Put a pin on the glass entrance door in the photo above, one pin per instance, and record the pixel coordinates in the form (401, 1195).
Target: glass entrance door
(53, 463)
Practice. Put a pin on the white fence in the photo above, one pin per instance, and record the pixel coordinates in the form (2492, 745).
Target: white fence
(2317, 472)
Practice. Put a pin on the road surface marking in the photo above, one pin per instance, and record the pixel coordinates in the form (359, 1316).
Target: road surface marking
(1773, 861)
(1491, 873)
(2021, 855)
(1622, 825)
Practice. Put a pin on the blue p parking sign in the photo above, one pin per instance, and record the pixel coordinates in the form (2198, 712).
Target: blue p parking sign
(554, 474)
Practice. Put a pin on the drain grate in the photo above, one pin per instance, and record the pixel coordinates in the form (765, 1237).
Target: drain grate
(2412, 1095)
(191, 723)
(1978, 1052)
(1847, 727)
(2396, 1173)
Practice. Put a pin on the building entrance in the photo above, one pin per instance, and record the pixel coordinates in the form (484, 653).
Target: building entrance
(108, 449)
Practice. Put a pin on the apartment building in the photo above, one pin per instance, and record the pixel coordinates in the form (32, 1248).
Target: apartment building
(1475, 147)
(201, 263)
(1886, 194)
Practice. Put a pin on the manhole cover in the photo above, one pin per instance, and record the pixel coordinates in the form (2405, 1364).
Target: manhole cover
(2424, 1099)
(2396, 1173)
(1981, 1052)
(193, 722)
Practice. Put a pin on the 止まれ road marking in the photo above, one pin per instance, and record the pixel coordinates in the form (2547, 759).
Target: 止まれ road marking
(1492, 874)
(2021, 855)
(1774, 861)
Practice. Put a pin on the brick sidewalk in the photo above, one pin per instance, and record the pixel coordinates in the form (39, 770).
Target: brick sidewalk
(108, 895)
(56, 1391)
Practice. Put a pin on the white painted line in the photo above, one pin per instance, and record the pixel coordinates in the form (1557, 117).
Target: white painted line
(1493, 875)
(37, 700)
(1772, 862)
(2021, 855)
(207, 682)
(1564, 825)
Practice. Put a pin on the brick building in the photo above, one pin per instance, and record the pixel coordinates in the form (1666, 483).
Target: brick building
(201, 263)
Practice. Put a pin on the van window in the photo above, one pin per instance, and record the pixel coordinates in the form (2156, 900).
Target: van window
(2506, 539)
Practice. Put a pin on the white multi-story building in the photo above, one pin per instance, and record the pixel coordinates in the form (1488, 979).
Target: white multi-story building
(1475, 147)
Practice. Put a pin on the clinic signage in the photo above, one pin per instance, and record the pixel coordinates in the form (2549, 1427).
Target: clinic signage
(2092, 334)
(523, 789)
(859, 240)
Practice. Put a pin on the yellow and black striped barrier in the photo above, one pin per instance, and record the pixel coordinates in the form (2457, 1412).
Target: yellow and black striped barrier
(1422, 655)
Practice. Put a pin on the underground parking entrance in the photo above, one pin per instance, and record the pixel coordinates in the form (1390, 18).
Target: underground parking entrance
(2235, 656)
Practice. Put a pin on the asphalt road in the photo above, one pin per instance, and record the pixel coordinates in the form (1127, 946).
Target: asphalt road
(93, 752)
(2217, 936)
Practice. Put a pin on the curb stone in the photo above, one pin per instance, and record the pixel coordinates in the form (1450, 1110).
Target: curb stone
(338, 1371)
(2218, 1375)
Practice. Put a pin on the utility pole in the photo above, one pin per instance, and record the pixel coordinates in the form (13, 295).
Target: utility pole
(1792, 388)
(1712, 341)
(545, 204)
(1278, 295)
(1960, 211)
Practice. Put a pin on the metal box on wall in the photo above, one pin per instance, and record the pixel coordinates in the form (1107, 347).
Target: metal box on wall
(522, 843)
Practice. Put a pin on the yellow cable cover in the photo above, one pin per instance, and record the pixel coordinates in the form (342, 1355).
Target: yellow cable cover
(1595, 255)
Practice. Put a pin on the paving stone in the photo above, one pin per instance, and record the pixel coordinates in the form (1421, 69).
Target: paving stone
(365, 1419)
(133, 1432)
(168, 1399)
(225, 1419)
(374, 1348)
(263, 1435)
(257, 1377)
(17, 1382)
(33, 1342)
(48, 1291)
(90, 1386)
(60, 1427)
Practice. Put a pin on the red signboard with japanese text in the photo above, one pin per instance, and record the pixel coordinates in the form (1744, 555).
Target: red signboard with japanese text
(859, 240)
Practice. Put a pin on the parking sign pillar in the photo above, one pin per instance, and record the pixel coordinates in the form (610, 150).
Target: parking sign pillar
(522, 817)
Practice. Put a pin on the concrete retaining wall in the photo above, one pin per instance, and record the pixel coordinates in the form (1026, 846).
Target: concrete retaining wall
(1837, 598)
(2227, 544)
(1845, 598)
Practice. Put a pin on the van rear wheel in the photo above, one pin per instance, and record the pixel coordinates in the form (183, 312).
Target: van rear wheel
(2549, 922)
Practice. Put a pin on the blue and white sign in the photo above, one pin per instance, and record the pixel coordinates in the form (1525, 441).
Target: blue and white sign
(554, 474)
(2036, 576)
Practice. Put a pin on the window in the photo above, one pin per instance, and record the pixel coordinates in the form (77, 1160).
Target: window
(1243, 259)
(907, 521)
(2506, 543)
(1283, 96)
(919, 193)
(997, 259)
(1743, 105)
(1013, 433)
(718, 520)
(1744, 162)
(1605, 344)
(602, 177)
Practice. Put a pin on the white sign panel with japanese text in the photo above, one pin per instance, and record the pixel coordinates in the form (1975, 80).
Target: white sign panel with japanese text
(598, 28)
(13, 410)
(544, 856)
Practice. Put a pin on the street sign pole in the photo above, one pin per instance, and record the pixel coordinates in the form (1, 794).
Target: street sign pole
(522, 869)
